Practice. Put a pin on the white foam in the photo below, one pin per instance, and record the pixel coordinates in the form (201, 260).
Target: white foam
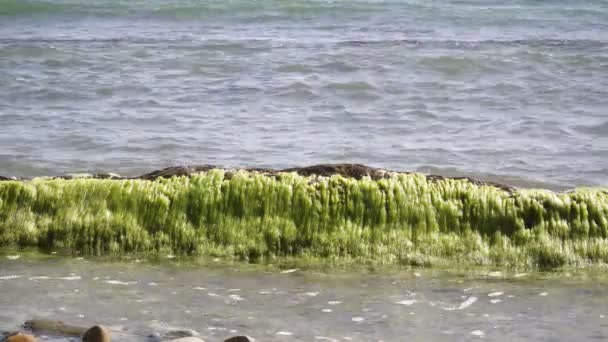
(358, 319)
(495, 301)
(327, 310)
(284, 333)
(312, 294)
(13, 257)
(120, 282)
(519, 275)
(470, 301)
(236, 297)
(290, 271)
(407, 302)
(478, 333)
(152, 284)
(334, 302)
(75, 277)
(417, 274)
(200, 288)
(39, 278)
(496, 294)
(8, 277)
(543, 294)
(323, 338)
(495, 274)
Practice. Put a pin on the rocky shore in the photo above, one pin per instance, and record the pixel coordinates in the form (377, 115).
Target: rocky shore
(340, 211)
(36, 328)
(356, 171)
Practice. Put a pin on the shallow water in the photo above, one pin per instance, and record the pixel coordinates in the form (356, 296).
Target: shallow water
(514, 91)
(218, 300)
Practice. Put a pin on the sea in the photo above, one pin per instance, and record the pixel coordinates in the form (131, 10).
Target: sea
(513, 91)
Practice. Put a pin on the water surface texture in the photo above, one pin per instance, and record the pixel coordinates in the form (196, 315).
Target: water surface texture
(513, 90)
(138, 299)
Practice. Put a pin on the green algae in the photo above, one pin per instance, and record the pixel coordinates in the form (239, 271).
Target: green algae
(401, 219)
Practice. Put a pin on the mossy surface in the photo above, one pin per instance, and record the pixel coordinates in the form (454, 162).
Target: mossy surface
(399, 219)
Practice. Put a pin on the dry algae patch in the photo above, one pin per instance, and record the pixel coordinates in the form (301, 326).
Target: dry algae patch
(401, 218)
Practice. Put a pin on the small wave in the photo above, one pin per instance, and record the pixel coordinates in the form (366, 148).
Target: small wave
(187, 10)
(350, 86)
(460, 44)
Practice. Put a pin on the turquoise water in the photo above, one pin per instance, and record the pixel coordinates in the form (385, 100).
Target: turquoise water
(514, 91)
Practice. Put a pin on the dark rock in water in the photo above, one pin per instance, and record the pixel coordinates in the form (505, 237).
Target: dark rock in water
(176, 334)
(154, 337)
(175, 171)
(108, 175)
(96, 333)
(188, 339)
(20, 337)
(53, 327)
(239, 339)
(356, 171)
(11, 178)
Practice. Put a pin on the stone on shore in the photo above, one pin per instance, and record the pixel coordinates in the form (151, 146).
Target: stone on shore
(96, 333)
(21, 337)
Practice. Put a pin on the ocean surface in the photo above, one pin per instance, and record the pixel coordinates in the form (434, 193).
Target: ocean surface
(510, 90)
(139, 299)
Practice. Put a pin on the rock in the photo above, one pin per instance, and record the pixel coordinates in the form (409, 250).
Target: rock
(21, 337)
(188, 339)
(76, 176)
(175, 171)
(96, 333)
(10, 178)
(239, 339)
(108, 175)
(175, 334)
(53, 327)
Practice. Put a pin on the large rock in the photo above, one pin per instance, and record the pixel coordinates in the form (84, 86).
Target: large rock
(239, 339)
(20, 337)
(96, 333)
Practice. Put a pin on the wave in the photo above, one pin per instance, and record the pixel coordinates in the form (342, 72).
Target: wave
(185, 9)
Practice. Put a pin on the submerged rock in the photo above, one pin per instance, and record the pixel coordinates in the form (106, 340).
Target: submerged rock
(177, 334)
(53, 327)
(239, 339)
(188, 339)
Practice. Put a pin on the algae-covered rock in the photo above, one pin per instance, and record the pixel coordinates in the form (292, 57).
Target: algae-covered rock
(338, 212)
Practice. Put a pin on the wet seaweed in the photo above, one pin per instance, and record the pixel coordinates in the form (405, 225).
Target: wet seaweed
(393, 218)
